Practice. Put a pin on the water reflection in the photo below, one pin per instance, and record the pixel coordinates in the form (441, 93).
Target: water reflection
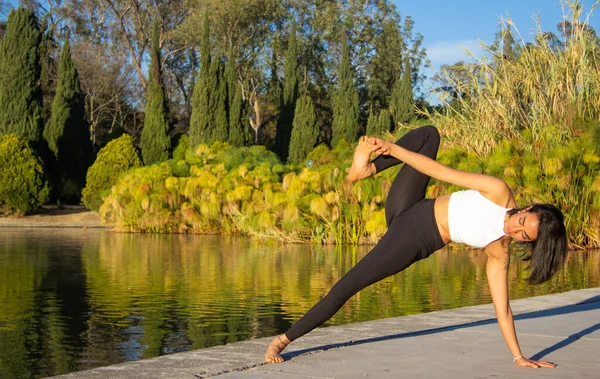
(75, 299)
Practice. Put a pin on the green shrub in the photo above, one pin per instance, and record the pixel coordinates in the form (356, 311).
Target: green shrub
(182, 145)
(23, 186)
(116, 157)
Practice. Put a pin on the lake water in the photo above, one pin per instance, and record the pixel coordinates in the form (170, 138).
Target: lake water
(73, 299)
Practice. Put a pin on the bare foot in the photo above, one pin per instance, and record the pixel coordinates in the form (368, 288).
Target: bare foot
(361, 164)
(275, 348)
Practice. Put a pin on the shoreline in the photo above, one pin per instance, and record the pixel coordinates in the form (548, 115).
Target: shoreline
(52, 216)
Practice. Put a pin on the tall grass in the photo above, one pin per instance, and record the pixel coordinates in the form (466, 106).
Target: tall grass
(542, 97)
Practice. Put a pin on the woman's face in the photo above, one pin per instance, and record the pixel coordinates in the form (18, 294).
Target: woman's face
(522, 226)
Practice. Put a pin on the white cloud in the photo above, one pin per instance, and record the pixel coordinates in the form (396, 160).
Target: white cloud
(450, 52)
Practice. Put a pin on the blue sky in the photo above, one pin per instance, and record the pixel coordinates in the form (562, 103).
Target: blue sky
(450, 26)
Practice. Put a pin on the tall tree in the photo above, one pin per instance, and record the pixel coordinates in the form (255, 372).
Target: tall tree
(155, 142)
(345, 103)
(290, 95)
(239, 129)
(273, 100)
(386, 65)
(239, 133)
(21, 95)
(231, 78)
(200, 118)
(67, 132)
(48, 77)
(219, 127)
(402, 102)
(380, 124)
(248, 28)
(371, 124)
(305, 131)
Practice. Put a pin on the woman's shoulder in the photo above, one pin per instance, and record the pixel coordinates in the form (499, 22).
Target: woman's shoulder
(501, 195)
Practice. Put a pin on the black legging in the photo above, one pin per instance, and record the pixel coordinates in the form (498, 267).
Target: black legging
(412, 233)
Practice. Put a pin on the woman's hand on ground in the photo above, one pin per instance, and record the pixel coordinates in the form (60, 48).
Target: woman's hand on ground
(524, 362)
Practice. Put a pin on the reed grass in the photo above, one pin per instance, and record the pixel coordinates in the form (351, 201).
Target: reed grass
(543, 96)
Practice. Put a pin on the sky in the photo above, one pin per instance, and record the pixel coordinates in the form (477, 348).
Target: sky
(450, 26)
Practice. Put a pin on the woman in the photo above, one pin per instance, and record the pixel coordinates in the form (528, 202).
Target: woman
(483, 216)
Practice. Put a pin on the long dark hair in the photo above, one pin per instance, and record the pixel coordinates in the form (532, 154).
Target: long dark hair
(548, 251)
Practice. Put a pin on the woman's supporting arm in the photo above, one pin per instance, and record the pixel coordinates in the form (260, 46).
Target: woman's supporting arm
(497, 274)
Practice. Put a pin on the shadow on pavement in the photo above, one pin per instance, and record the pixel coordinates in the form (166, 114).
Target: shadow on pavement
(586, 305)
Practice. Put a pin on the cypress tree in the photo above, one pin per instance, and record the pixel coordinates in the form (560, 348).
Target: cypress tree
(385, 67)
(290, 96)
(21, 95)
(345, 103)
(274, 92)
(371, 124)
(155, 142)
(231, 79)
(402, 101)
(239, 130)
(380, 124)
(200, 117)
(67, 132)
(239, 133)
(305, 130)
(384, 122)
(219, 128)
(48, 67)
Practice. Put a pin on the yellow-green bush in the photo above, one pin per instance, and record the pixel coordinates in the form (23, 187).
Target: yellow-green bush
(23, 186)
(223, 189)
(115, 158)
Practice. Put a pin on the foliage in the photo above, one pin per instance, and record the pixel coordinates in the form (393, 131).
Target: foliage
(110, 52)
(402, 102)
(155, 142)
(290, 95)
(219, 125)
(117, 157)
(392, 43)
(239, 130)
(23, 187)
(21, 110)
(305, 130)
(380, 125)
(67, 132)
(49, 66)
(223, 189)
(345, 103)
(200, 118)
(181, 148)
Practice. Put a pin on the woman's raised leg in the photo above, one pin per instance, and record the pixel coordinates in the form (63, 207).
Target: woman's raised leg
(410, 185)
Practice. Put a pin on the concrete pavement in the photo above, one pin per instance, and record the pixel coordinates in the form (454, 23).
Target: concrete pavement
(458, 343)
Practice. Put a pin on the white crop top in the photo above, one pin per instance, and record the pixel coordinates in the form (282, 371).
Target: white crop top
(473, 219)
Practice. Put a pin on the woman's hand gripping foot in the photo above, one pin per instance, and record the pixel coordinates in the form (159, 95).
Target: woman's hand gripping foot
(275, 348)
(361, 164)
